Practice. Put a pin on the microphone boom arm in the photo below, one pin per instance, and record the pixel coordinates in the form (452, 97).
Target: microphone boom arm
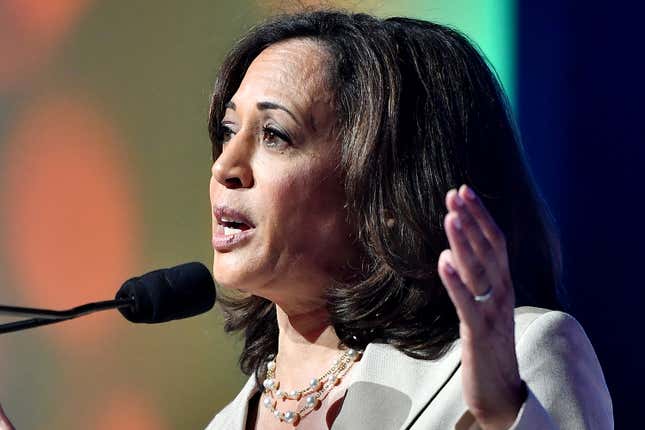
(47, 316)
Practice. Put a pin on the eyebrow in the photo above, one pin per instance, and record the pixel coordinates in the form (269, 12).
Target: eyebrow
(265, 106)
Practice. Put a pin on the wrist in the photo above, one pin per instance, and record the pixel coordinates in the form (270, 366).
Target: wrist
(504, 419)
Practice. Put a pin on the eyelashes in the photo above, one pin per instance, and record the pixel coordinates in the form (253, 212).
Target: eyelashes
(225, 133)
(271, 136)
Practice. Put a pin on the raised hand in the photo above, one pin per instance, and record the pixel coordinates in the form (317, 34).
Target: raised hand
(476, 274)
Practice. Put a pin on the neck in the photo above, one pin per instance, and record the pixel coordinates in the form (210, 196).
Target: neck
(307, 346)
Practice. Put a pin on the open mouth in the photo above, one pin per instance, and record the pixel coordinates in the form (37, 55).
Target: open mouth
(233, 227)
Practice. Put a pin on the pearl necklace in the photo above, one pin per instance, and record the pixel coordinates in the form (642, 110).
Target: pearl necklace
(313, 394)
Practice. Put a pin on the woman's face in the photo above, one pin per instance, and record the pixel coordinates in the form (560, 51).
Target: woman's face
(279, 228)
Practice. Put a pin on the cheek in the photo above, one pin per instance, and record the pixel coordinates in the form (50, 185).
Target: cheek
(310, 209)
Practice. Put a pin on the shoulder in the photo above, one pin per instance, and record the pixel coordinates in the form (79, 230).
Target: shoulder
(525, 316)
(543, 332)
(561, 369)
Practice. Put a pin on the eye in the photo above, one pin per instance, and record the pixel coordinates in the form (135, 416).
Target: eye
(275, 138)
(226, 133)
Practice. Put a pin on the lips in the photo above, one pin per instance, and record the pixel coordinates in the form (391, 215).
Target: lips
(233, 228)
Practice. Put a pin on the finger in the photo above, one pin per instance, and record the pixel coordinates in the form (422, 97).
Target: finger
(459, 294)
(471, 270)
(485, 220)
(479, 243)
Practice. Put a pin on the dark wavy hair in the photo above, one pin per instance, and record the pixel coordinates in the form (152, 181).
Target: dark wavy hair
(418, 112)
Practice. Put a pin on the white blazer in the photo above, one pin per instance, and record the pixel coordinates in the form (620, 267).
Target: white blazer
(389, 390)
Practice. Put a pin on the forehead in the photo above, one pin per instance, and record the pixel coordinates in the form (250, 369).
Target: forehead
(292, 71)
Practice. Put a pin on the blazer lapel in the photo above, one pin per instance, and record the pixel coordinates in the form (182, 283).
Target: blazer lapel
(235, 413)
(378, 396)
(385, 398)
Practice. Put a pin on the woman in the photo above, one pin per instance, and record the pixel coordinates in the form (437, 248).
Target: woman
(377, 290)
(339, 142)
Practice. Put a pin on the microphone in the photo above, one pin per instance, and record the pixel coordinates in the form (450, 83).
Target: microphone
(168, 294)
(158, 296)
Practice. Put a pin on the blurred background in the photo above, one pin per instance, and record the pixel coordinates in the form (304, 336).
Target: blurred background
(105, 162)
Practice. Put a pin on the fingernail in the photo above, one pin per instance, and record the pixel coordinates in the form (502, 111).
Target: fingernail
(456, 222)
(469, 193)
(449, 268)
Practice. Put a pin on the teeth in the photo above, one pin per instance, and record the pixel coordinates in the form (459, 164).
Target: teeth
(229, 220)
(229, 230)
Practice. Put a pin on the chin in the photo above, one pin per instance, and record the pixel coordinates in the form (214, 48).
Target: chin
(225, 278)
(232, 274)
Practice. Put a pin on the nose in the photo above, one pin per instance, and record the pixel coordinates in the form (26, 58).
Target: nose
(233, 167)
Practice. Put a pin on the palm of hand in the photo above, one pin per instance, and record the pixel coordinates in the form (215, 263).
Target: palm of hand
(477, 265)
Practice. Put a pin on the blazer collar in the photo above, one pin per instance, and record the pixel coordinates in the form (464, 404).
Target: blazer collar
(239, 407)
(389, 389)
(375, 394)
(413, 384)
(393, 399)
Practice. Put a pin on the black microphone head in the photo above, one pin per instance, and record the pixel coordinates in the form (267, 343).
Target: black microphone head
(168, 294)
